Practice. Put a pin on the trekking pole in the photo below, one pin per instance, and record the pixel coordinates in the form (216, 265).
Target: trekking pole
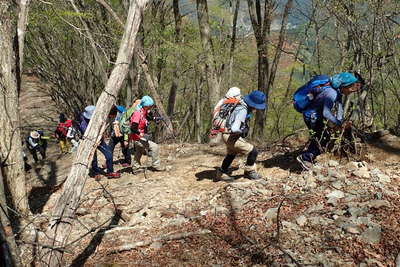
(158, 117)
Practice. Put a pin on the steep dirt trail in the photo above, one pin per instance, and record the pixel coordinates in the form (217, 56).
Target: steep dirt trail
(339, 214)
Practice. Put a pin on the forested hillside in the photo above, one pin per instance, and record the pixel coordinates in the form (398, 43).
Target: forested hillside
(89, 61)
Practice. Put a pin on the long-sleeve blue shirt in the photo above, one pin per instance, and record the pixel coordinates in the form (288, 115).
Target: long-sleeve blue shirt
(324, 103)
(237, 120)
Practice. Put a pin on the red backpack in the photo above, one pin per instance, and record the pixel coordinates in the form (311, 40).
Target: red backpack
(62, 128)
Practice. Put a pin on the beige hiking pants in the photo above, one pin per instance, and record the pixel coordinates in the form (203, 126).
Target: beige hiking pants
(148, 148)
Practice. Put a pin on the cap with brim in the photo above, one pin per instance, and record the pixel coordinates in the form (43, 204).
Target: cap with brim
(343, 79)
(146, 101)
(233, 92)
(255, 99)
(35, 134)
(89, 112)
(120, 109)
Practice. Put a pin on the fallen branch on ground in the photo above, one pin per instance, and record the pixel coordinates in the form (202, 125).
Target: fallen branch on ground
(167, 237)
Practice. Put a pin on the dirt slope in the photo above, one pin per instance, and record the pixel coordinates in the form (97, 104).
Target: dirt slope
(342, 213)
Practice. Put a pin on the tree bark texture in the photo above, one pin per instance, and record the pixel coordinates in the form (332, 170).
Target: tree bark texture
(175, 78)
(153, 85)
(261, 22)
(11, 159)
(8, 247)
(98, 60)
(261, 28)
(209, 59)
(21, 29)
(64, 211)
(233, 40)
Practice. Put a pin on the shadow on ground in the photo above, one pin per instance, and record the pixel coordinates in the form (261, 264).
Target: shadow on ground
(210, 174)
(38, 196)
(81, 259)
(386, 147)
(286, 161)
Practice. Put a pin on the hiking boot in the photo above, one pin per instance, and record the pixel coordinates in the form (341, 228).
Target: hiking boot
(304, 163)
(159, 168)
(113, 175)
(222, 175)
(252, 175)
(136, 170)
(125, 165)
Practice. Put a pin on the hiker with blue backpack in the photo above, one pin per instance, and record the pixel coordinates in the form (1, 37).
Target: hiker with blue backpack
(235, 130)
(103, 147)
(317, 100)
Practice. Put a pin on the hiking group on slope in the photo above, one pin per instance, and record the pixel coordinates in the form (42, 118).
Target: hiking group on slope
(319, 101)
(137, 117)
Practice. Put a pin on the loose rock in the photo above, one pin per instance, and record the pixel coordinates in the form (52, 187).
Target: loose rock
(372, 235)
(335, 194)
(301, 220)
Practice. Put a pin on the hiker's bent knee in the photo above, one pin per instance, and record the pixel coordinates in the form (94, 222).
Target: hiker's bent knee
(251, 157)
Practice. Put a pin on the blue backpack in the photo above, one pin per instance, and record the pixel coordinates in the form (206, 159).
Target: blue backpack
(304, 95)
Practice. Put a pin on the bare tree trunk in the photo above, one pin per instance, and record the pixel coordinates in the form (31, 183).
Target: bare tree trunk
(98, 59)
(278, 51)
(209, 60)
(63, 213)
(9, 249)
(233, 40)
(109, 9)
(21, 29)
(10, 137)
(135, 74)
(261, 27)
(153, 85)
(175, 78)
(261, 23)
(197, 114)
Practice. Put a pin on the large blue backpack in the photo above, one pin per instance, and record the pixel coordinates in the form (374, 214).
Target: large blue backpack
(304, 95)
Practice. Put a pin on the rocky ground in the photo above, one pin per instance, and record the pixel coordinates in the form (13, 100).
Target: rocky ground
(342, 213)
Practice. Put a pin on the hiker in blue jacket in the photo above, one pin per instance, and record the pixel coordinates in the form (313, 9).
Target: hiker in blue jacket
(103, 147)
(319, 114)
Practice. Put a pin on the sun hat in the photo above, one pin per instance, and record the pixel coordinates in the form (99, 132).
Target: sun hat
(35, 134)
(343, 79)
(233, 92)
(255, 99)
(89, 112)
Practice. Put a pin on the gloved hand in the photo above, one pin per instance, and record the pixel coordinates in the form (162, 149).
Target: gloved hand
(157, 119)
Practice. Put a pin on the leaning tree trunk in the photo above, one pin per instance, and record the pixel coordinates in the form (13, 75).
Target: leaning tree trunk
(21, 29)
(10, 137)
(64, 211)
(209, 60)
(153, 85)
